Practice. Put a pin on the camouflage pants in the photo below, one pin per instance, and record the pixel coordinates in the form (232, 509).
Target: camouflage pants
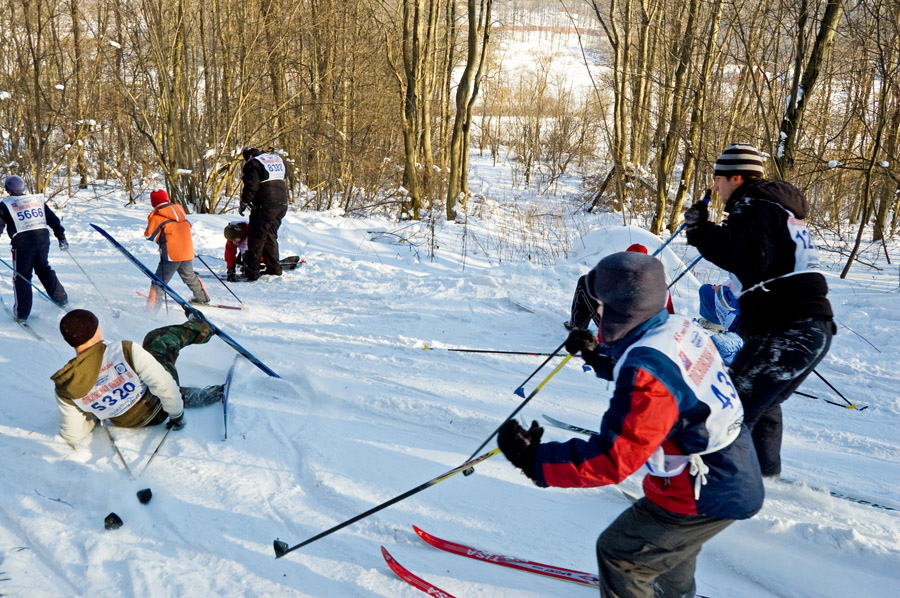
(165, 343)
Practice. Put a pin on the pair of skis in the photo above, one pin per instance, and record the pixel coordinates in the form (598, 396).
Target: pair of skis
(178, 299)
(581, 578)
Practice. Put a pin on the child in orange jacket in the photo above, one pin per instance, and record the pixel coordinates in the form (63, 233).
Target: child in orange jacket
(167, 225)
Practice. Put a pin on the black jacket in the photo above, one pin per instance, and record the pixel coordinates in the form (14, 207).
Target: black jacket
(257, 193)
(754, 243)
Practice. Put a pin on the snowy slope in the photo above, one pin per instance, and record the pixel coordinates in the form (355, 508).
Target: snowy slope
(362, 413)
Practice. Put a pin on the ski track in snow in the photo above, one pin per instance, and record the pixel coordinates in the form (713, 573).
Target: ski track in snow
(362, 414)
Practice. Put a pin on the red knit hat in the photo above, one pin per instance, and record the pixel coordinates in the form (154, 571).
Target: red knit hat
(158, 197)
(637, 248)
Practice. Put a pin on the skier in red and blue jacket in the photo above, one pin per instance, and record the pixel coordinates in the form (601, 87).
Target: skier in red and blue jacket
(675, 410)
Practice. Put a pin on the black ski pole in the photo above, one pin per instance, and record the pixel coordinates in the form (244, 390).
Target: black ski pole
(850, 405)
(282, 548)
(115, 312)
(219, 279)
(489, 351)
(471, 470)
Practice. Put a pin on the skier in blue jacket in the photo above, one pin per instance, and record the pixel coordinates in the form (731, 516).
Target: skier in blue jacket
(26, 218)
(675, 410)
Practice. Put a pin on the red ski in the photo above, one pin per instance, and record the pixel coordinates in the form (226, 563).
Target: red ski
(417, 582)
(579, 577)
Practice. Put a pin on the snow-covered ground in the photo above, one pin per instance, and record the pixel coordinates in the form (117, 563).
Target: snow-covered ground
(362, 413)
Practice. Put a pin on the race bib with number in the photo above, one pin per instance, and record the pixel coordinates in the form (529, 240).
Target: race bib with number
(692, 350)
(806, 255)
(273, 165)
(117, 389)
(27, 211)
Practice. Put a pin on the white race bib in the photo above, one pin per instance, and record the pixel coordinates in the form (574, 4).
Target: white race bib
(117, 389)
(27, 211)
(273, 165)
(806, 256)
(702, 370)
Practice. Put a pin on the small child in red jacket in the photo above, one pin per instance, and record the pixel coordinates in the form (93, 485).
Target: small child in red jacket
(236, 234)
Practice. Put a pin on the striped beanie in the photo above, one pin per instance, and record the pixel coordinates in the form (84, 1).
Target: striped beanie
(740, 158)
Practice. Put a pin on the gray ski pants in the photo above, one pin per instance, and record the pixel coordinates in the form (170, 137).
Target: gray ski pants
(166, 270)
(650, 552)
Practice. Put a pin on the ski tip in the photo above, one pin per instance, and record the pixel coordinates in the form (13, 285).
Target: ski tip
(281, 548)
(520, 392)
(425, 347)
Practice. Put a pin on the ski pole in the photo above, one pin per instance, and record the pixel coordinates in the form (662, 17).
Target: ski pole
(115, 312)
(520, 391)
(706, 197)
(219, 279)
(469, 470)
(282, 548)
(686, 270)
(427, 348)
(849, 405)
(45, 295)
(112, 441)
(841, 405)
(153, 454)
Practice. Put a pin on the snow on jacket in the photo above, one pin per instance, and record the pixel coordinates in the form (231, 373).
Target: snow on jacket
(81, 375)
(656, 414)
(8, 220)
(760, 242)
(261, 188)
(167, 224)
(235, 248)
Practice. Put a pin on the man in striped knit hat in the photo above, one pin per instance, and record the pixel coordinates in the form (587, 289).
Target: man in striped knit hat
(786, 319)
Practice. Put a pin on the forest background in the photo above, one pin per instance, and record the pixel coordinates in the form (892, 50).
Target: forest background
(376, 104)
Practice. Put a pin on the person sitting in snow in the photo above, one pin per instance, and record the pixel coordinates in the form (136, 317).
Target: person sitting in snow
(584, 309)
(26, 218)
(674, 410)
(235, 246)
(126, 384)
(168, 226)
(719, 312)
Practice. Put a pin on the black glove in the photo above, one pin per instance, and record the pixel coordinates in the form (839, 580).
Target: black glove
(175, 423)
(519, 446)
(581, 341)
(584, 342)
(231, 276)
(63, 244)
(242, 208)
(696, 214)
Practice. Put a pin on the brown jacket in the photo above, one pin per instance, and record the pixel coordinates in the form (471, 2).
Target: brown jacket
(77, 378)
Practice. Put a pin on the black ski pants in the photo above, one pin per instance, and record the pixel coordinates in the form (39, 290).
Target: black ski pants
(766, 371)
(651, 552)
(584, 309)
(262, 240)
(30, 250)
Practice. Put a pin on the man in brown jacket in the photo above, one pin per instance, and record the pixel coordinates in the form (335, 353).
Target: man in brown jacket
(129, 385)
